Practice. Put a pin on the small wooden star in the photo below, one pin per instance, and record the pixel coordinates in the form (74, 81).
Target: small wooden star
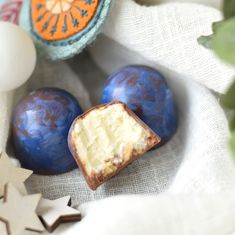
(12, 174)
(18, 212)
(53, 213)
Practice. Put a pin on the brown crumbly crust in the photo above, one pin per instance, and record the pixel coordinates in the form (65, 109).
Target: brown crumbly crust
(94, 180)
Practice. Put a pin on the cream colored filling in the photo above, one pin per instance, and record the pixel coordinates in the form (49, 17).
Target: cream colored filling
(105, 137)
(58, 6)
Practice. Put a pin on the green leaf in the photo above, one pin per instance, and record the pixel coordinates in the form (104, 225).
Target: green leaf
(206, 41)
(232, 122)
(228, 100)
(229, 8)
(232, 143)
(223, 42)
(217, 25)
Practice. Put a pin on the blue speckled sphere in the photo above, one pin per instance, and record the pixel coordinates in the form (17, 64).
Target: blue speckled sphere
(41, 122)
(145, 92)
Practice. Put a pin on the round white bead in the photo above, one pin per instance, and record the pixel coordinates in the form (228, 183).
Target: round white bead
(17, 56)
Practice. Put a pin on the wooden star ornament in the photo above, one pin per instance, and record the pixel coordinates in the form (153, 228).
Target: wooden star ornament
(18, 212)
(12, 174)
(55, 212)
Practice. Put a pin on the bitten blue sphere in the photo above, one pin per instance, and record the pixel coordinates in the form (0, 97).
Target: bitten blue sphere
(145, 91)
(41, 122)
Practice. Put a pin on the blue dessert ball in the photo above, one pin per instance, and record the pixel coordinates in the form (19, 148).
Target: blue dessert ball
(41, 122)
(145, 91)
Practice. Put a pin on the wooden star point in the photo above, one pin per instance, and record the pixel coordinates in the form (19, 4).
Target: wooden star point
(18, 212)
(3, 228)
(12, 174)
(55, 212)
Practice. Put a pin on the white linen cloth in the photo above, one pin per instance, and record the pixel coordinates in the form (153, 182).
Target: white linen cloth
(214, 3)
(167, 34)
(196, 161)
(164, 215)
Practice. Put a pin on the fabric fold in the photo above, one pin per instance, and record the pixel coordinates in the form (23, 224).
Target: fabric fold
(167, 34)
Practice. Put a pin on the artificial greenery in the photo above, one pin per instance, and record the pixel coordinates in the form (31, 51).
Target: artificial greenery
(222, 41)
(229, 9)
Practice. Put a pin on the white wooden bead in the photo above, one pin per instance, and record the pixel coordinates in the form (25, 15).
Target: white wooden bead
(17, 56)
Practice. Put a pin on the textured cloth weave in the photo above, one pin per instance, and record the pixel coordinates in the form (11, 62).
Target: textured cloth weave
(167, 34)
(214, 3)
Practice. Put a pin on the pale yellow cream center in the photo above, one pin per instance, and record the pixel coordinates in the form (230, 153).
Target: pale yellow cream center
(106, 137)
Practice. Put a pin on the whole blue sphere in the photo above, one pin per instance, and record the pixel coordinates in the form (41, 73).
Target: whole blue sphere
(41, 122)
(145, 91)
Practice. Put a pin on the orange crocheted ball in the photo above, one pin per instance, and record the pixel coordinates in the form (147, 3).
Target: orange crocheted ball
(59, 19)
